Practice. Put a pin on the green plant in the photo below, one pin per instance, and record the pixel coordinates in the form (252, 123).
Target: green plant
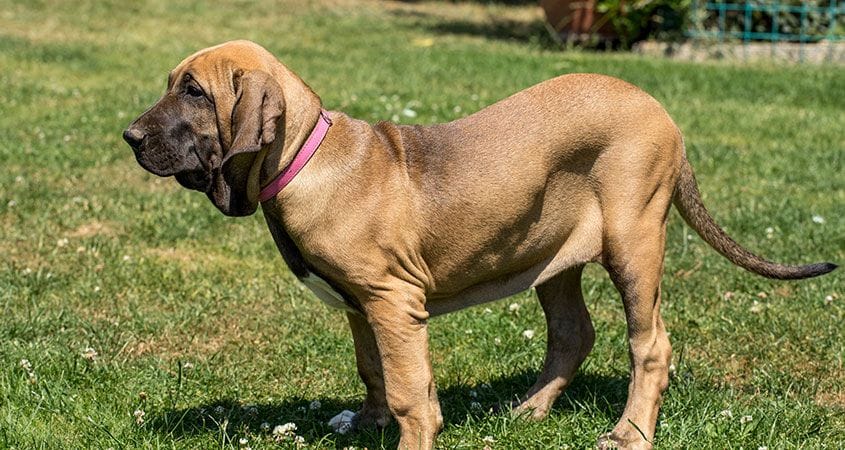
(640, 19)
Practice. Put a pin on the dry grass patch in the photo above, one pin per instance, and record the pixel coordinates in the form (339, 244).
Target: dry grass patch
(835, 399)
(94, 228)
(472, 12)
(192, 259)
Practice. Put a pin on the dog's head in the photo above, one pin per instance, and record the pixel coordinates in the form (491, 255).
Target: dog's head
(222, 106)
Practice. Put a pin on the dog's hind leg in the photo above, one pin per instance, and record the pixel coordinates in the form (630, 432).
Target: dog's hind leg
(635, 266)
(374, 411)
(570, 339)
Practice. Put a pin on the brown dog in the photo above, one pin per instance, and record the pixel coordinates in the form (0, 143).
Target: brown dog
(399, 223)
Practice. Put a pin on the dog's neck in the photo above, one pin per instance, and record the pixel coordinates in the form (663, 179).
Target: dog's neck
(307, 197)
(302, 111)
(300, 159)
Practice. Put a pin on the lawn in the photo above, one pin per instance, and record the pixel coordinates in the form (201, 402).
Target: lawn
(134, 315)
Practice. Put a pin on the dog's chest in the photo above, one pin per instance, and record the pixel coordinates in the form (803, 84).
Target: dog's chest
(325, 292)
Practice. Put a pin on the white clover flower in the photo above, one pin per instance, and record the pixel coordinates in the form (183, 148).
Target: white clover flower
(488, 440)
(528, 334)
(408, 112)
(89, 354)
(25, 365)
(514, 307)
(473, 393)
(265, 427)
(828, 300)
(818, 219)
(219, 409)
(62, 242)
(488, 311)
(299, 441)
(757, 307)
(745, 419)
(285, 431)
(243, 441)
(139, 416)
(12, 203)
(475, 406)
(497, 341)
(315, 405)
(726, 413)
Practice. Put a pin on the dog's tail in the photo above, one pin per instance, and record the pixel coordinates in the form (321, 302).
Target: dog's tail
(688, 202)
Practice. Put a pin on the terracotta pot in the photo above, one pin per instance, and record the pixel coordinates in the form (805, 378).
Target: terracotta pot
(576, 19)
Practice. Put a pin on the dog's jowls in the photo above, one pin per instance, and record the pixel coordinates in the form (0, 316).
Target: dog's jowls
(399, 223)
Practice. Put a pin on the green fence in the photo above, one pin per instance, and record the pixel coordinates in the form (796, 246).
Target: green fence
(774, 22)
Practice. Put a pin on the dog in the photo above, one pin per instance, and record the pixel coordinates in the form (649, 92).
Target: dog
(396, 224)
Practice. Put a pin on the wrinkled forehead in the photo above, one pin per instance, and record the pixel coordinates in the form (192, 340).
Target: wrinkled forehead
(214, 65)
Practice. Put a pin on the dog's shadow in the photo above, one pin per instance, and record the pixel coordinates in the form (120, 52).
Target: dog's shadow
(226, 419)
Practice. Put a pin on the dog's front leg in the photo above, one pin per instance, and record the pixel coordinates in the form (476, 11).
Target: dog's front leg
(374, 411)
(399, 324)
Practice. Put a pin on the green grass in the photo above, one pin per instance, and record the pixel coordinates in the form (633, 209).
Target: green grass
(197, 311)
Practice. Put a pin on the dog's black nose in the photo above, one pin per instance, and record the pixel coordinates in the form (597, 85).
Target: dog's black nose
(133, 137)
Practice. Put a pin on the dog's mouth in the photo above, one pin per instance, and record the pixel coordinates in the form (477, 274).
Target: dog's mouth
(198, 180)
(193, 172)
(158, 162)
(189, 168)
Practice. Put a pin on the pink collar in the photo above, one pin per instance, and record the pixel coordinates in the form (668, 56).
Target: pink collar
(300, 160)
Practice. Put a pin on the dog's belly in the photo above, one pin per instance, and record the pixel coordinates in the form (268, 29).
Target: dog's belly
(325, 292)
(583, 245)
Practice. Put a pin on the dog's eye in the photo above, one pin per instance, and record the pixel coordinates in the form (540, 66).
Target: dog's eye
(193, 91)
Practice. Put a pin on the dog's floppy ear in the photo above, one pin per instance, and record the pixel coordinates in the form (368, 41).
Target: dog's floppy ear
(259, 105)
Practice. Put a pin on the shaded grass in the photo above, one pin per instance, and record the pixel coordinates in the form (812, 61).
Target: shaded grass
(176, 301)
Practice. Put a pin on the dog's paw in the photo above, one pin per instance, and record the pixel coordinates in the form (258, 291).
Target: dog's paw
(610, 440)
(344, 422)
(372, 417)
(606, 442)
(528, 410)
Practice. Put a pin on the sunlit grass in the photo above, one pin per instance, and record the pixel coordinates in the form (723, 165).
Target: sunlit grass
(196, 322)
